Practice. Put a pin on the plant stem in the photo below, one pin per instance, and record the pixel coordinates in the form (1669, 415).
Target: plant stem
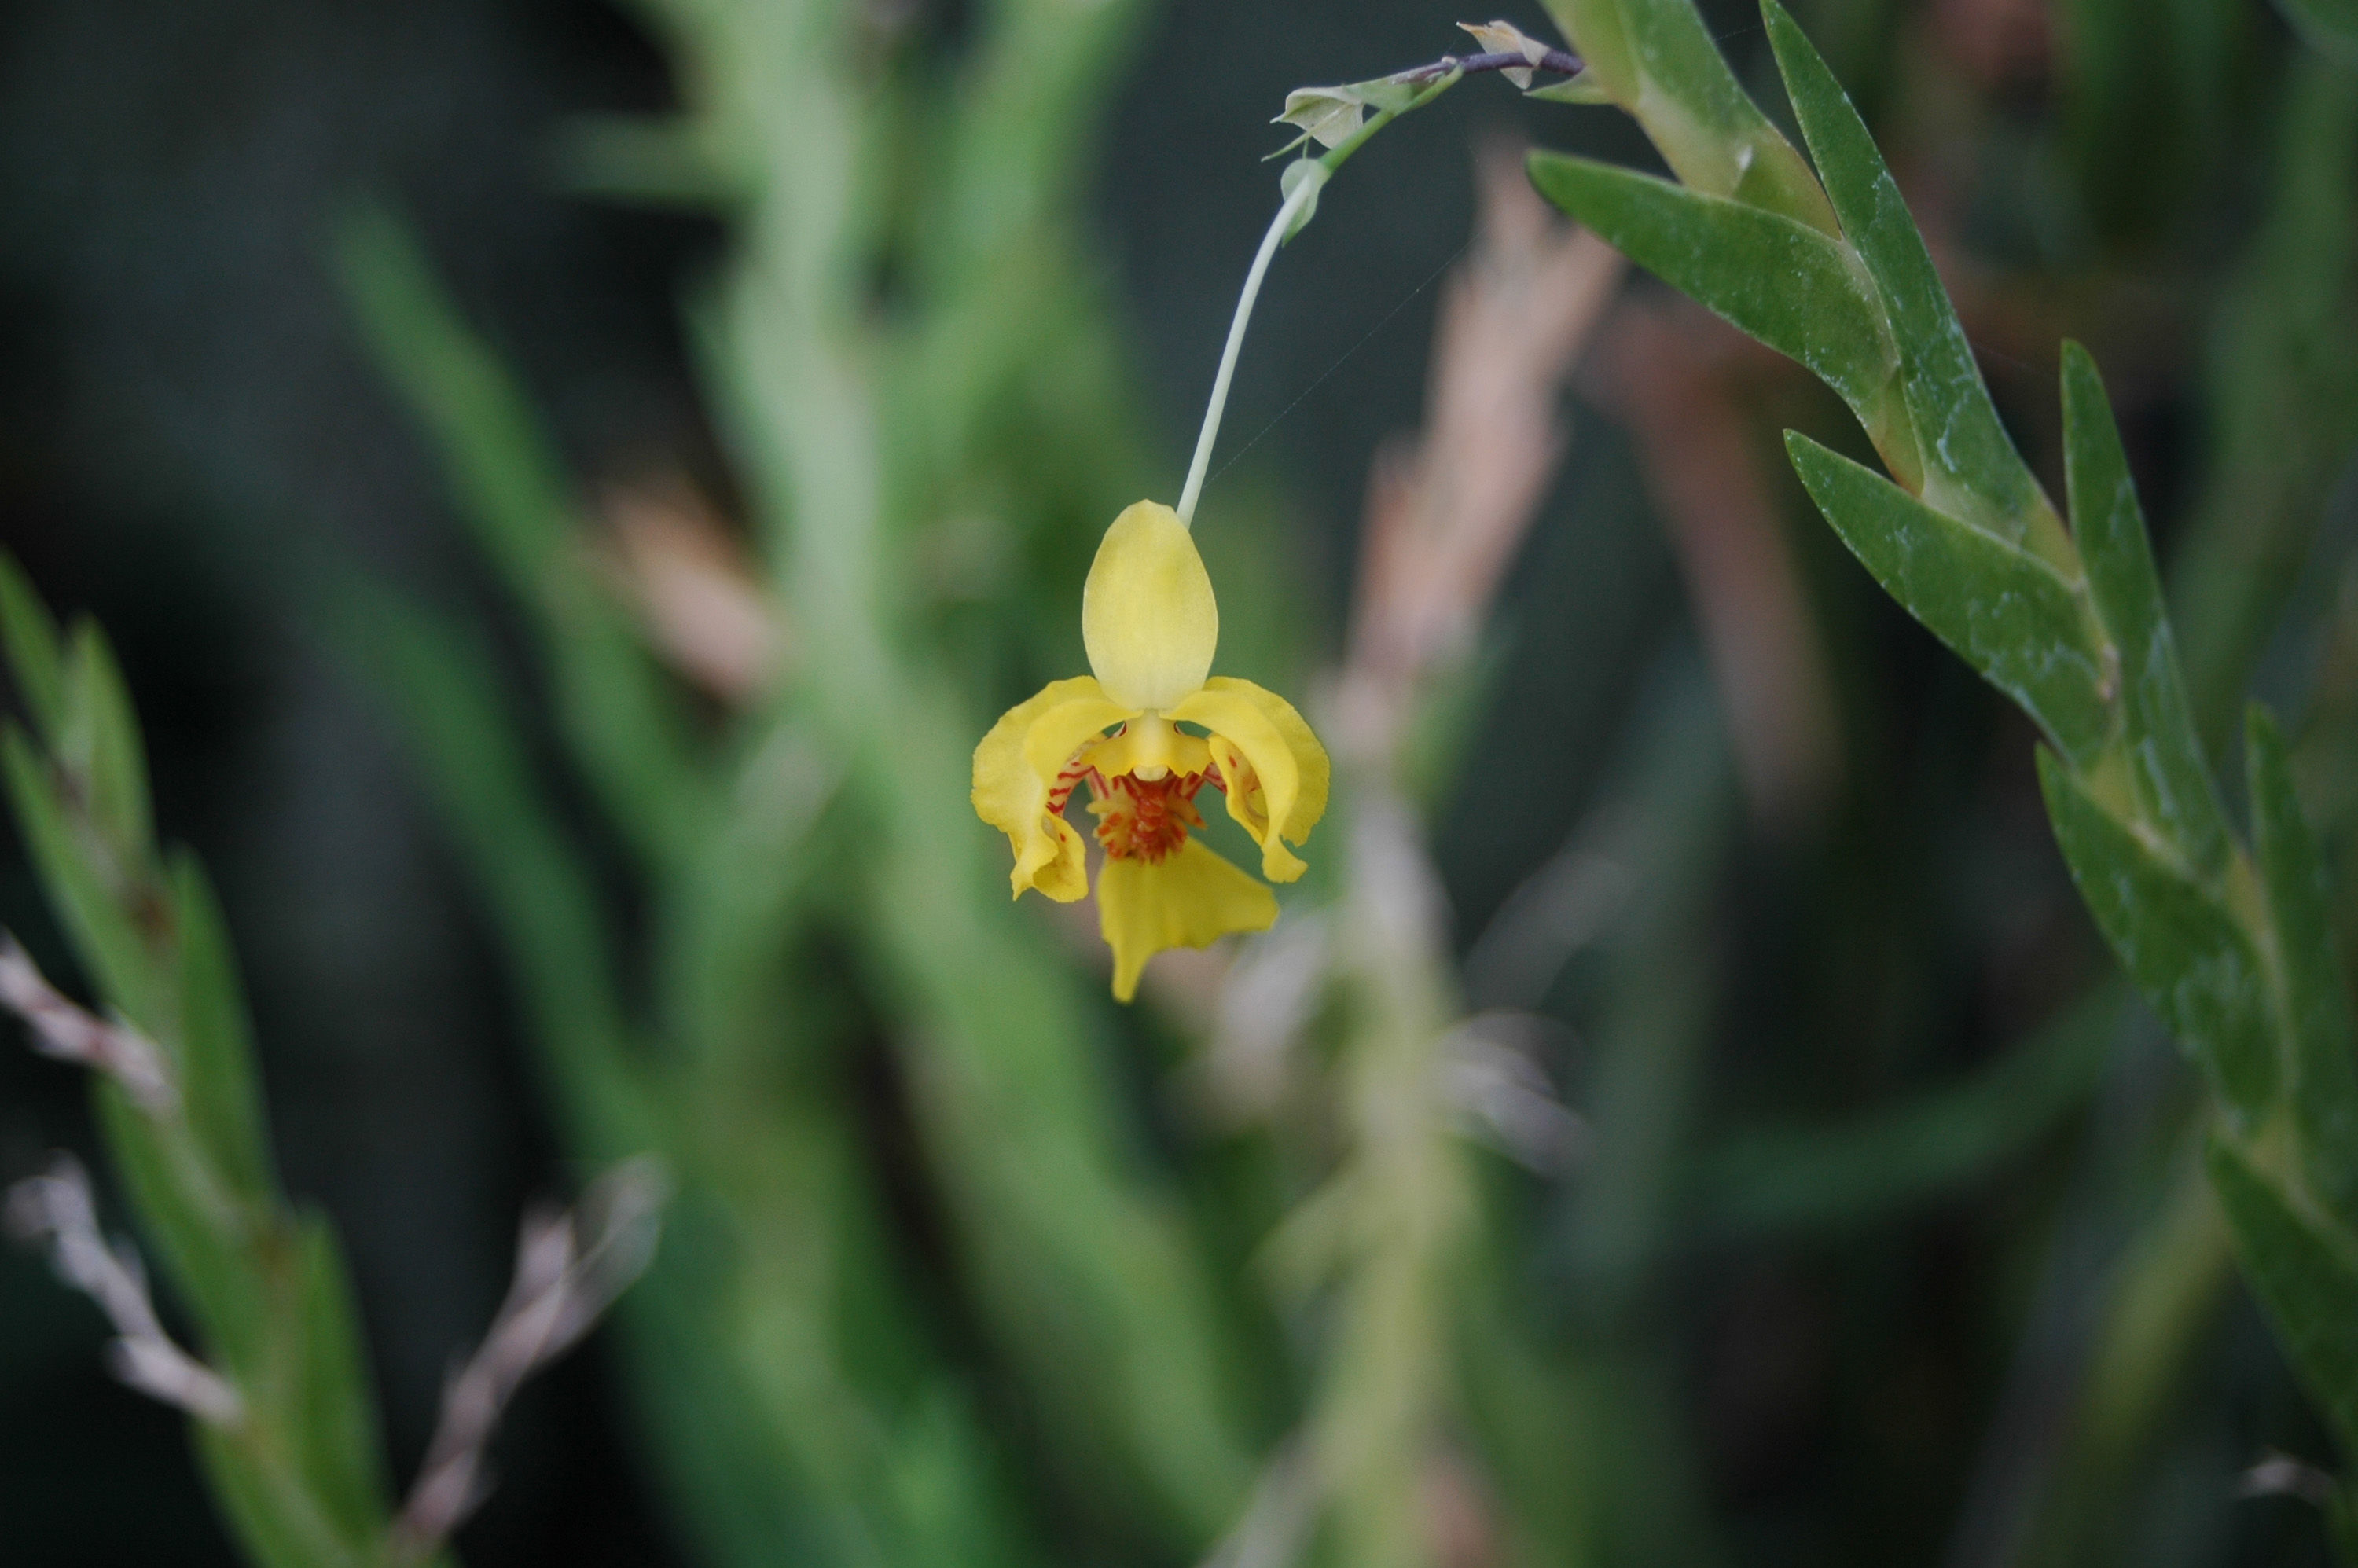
(1302, 198)
(1303, 195)
(1559, 61)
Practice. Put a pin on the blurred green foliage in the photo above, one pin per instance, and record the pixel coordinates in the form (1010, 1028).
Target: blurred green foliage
(2237, 954)
(956, 1275)
(299, 1473)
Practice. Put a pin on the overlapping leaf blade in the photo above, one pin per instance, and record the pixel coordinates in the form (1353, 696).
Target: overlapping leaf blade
(1783, 282)
(2004, 611)
(1643, 52)
(333, 1400)
(220, 1084)
(298, 1473)
(2189, 956)
(105, 941)
(1970, 462)
(2306, 1278)
(2172, 780)
(184, 1216)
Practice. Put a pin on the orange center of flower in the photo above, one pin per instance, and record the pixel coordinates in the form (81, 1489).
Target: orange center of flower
(1137, 819)
(1143, 819)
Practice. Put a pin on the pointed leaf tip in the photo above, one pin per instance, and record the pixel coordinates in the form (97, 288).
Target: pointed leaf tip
(1972, 456)
(2169, 773)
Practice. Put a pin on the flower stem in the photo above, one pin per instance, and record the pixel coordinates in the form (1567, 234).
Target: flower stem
(1303, 196)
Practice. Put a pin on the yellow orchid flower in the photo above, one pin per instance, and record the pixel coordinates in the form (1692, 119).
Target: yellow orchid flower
(1149, 622)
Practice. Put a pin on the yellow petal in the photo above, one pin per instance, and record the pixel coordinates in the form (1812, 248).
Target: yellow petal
(1016, 767)
(1282, 791)
(1191, 899)
(1147, 611)
(1150, 748)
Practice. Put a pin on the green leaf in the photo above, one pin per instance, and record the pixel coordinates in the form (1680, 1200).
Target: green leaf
(1596, 32)
(335, 1403)
(1971, 466)
(438, 681)
(2144, 107)
(2280, 397)
(2188, 955)
(101, 751)
(616, 709)
(1301, 172)
(503, 469)
(274, 1527)
(2307, 1278)
(1657, 59)
(1331, 115)
(2005, 611)
(2324, 1088)
(1327, 116)
(2330, 25)
(108, 945)
(648, 160)
(219, 1084)
(29, 636)
(202, 1236)
(2172, 780)
(1783, 282)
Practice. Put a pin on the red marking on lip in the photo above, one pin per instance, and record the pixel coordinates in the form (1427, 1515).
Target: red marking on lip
(1145, 819)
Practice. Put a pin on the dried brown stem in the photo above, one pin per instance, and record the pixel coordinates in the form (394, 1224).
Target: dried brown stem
(57, 1209)
(569, 1268)
(70, 1034)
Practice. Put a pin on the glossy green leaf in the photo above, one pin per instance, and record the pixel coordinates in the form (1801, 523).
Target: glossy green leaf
(2332, 26)
(1596, 33)
(1970, 462)
(2182, 947)
(2173, 782)
(2305, 1274)
(1783, 282)
(2324, 1046)
(2005, 611)
(29, 634)
(221, 1086)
